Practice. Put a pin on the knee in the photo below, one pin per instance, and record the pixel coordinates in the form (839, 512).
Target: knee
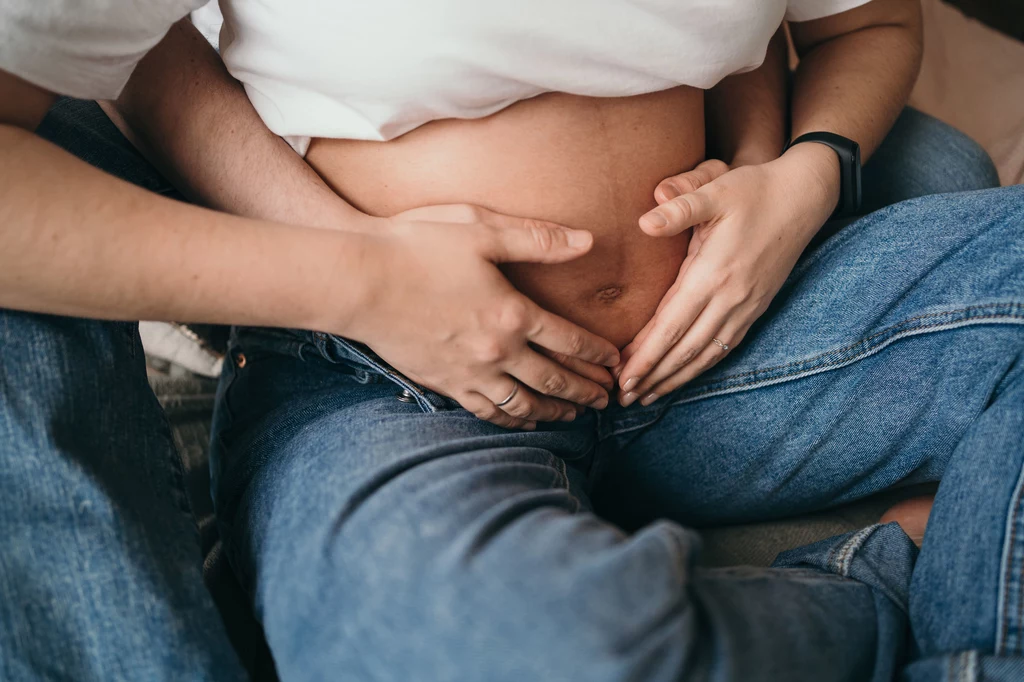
(520, 605)
(923, 156)
(968, 166)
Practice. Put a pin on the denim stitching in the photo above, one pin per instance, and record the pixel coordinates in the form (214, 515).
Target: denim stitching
(421, 397)
(963, 667)
(896, 334)
(717, 388)
(1008, 638)
(563, 480)
(840, 563)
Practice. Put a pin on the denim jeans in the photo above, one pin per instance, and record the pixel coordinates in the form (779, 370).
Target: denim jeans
(384, 531)
(99, 564)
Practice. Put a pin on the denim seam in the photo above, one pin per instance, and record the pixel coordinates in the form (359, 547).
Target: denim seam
(839, 560)
(892, 334)
(963, 667)
(1010, 609)
(563, 480)
(985, 319)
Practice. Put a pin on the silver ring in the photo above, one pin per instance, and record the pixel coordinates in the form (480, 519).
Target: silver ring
(723, 346)
(515, 389)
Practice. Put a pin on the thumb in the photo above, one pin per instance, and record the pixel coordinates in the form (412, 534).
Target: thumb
(518, 240)
(690, 181)
(682, 213)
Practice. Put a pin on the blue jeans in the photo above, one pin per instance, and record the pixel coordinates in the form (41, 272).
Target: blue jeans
(384, 531)
(99, 564)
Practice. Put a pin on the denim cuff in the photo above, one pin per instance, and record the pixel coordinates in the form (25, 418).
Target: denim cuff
(880, 556)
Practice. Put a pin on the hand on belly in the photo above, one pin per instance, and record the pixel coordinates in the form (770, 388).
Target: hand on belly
(582, 162)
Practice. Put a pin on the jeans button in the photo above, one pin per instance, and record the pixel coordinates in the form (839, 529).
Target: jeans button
(406, 396)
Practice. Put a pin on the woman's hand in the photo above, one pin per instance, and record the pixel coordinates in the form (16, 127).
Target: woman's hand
(750, 226)
(442, 313)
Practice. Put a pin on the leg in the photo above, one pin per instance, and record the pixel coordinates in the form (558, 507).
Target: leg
(922, 155)
(892, 356)
(398, 540)
(99, 564)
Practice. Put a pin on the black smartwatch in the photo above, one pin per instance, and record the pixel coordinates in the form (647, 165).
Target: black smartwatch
(849, 169)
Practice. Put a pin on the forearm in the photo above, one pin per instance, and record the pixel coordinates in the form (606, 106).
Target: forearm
(746, 114)
(856, 71)
(100, 247)
(193, 121)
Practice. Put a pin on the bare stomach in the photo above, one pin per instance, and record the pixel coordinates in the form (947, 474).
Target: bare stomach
(579, 161)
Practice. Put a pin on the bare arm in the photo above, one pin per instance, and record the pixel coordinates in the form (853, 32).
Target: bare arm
(746, 115)
(195, 123)
(76, 241)
(856, 71)
(423, 290)
(750, 225)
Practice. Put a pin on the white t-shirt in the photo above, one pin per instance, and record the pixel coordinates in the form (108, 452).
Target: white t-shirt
(83, 48)
(375, 70)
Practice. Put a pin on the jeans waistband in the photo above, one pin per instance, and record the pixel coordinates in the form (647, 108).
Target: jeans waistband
(338, 350)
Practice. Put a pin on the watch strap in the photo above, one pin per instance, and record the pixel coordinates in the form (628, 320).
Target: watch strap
(848, 152)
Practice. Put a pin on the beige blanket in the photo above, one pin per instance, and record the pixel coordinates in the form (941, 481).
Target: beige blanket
(973, 79)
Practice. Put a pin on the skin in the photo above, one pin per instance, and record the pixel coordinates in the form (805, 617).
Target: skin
(750, 225)
(71, 244)
(579, 161)
(195, 123)
(744, 244)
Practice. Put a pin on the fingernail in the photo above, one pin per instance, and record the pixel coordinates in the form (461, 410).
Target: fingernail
(579, 239)
(616, 371)
(628, 399)
(571, 416)
(630, 383)
(670, 190)
(600, 403)
(654, 220)
(648, 399)
(530, 426)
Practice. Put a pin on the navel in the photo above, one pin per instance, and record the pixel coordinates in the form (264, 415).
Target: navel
(609, 294)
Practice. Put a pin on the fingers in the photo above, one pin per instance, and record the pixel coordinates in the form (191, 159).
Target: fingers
(669, 327)
(690, 181)
(524, 240)
(689, 352)
(520, 402)
(596, 373)
(681, 213)
(511, 239)
(561, 336)
(708, 358)
(548, 378)
(485, 409)
(628, 352)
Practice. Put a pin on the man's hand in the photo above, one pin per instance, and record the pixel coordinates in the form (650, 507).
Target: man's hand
(442, 313)
(750, 226)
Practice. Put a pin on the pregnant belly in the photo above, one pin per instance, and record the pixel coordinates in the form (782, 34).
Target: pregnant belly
(582, 162)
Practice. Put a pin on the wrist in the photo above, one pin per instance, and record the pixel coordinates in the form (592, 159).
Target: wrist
(815, 169)
(339, 275)
(753, 155)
